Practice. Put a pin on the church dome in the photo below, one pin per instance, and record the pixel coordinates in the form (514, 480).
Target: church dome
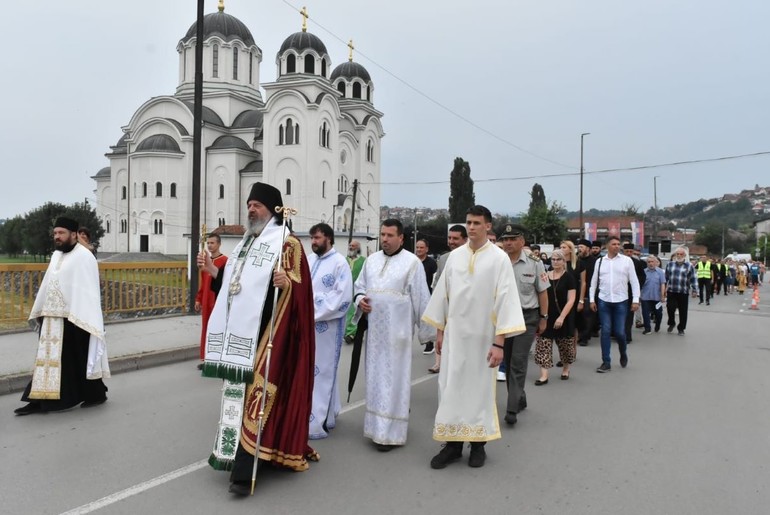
(158, 143)
(301, 41)
(350, 70)
(248, 119)
(228, 142)
(223, 25)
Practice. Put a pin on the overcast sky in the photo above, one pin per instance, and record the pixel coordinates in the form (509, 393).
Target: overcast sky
(653, 82)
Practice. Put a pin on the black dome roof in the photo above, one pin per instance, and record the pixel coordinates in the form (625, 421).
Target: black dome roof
(224, 25)
(301, 41)
(224, 142)
(247, 119)
(349, 70)
(158, 143)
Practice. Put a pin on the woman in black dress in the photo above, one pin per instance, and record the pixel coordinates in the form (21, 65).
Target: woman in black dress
(560, 328)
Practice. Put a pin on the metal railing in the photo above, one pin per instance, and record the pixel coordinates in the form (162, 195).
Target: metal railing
(127, 288)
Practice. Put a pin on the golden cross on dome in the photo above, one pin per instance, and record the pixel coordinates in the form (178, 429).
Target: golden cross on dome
(221, 5)
(351, 47)
(305, 16)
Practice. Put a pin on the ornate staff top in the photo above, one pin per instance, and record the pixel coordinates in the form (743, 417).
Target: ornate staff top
(203, 238)
(286, 212)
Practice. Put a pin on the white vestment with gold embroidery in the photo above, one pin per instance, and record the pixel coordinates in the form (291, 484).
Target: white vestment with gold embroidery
(398, 293)
(474, 300)
(70, 289)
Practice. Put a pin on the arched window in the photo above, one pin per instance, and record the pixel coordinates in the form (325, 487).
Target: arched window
(356, 90)
(215, 61)
(369, 197)
(123, 193)
(369, 93)
(341, 88)
(323, 67)
(172, 190)
(289, 132)
(323, 189)
(280, 134)
(342, 184)
(158, 226)
(309, 64)
(107, 226)
(123, 225)
(288, 186)
(291, 63)
(221, 222)
(369, 151)
(251, 68)
(296, 134)
(221, 191)
(323, 135)
(158, 189)
(144, 189)
(235, 63)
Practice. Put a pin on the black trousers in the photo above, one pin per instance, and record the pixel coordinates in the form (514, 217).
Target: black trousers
(677, 301)
(704, 284)
(590, 322)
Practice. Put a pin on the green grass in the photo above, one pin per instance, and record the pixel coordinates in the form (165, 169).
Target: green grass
(4, 258)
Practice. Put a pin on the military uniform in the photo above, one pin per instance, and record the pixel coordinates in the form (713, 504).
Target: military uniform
(531, 279)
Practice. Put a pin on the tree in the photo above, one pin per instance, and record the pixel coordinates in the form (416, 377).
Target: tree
(86, 217)
(461, 196)
(537, 197)
(545, 224)
(630, 209)
(38, 225)
(11, 233)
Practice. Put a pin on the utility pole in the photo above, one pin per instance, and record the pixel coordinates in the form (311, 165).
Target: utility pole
(353, 211)
(582, 228)
(195, 208)
(655, 196)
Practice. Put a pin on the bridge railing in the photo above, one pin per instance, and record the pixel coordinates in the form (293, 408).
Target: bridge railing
(128, 289)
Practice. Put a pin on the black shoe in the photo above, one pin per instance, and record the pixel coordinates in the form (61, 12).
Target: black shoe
(29, 409)
(699, 303)
(657, 328)
(91, 404)
(623, 361)
(559, 364)
(681, 333)
(646, 331)
(708, 303)
(478, 455)
(428, 348)
(451, 452)
(670, 329)
(538, 382)
(240, 488)
(510, 418)
(583, 343)
(604, 367)
(384, 447)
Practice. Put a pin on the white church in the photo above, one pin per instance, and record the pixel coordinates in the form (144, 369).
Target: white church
(310, 133)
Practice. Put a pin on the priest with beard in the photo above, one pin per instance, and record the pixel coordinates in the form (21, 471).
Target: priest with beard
(237, 344)
(332, 292)
(393, 292)
(71, 357)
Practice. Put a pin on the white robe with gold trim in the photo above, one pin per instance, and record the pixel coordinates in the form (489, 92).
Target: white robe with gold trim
(474, 300)
(398, 293)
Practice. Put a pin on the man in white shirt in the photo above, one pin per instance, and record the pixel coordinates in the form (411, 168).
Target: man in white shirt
(609, 296)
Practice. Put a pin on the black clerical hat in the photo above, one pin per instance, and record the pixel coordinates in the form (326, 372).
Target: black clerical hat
(267, 195)
(67, 223)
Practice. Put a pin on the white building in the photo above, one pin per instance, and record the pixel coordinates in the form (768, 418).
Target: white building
(313, 132)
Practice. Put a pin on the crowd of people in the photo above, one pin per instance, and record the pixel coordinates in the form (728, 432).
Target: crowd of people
(274, 320)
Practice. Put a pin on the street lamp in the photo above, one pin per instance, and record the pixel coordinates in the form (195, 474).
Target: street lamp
(582, 230)
(655, 197)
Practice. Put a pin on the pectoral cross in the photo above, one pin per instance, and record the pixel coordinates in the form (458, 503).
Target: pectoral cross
(261, 254)
(305, 16)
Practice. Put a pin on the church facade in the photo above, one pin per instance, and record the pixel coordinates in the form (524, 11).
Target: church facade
(312, 133)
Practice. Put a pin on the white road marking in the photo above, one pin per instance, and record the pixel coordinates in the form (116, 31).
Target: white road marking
(189, 469)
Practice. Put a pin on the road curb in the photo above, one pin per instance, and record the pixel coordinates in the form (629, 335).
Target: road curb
(17, 382)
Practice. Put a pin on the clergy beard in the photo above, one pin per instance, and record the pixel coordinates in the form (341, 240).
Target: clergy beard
(256, 226)
(320, 249)
(64, 247)
(352, 254)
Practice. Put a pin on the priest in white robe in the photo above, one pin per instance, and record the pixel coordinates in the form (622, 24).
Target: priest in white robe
(71, 357)
(332, 291)
(475, 306)
(392, 291)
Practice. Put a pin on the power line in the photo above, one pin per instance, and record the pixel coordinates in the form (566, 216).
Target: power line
(431, 99)
(572, 174)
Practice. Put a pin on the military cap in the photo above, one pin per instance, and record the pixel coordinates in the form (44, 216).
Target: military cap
(512, 231)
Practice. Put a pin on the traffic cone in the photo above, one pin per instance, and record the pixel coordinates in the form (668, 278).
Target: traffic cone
(755, 299)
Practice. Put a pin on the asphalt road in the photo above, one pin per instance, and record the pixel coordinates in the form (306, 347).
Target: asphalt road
(683, 430)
